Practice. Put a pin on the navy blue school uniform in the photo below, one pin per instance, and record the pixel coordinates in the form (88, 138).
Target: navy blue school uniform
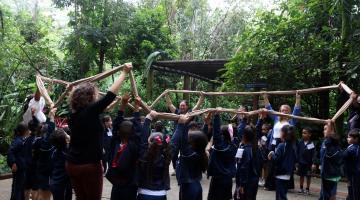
(188, 169)
(42, 151)
(60, 184)
(285, 157)
(352, 169)
(263, 141)
(330, 161)
(222, 164)
(175, 148)
(30, 170)
(240, 128)
(122, 173)
(248, 171)
(16, 155)
(156, 179)
(107, 135)
(306, 156)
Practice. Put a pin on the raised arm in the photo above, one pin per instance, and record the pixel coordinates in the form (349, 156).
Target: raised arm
(207, 128)
(146, 131)
(219, 142)
(100, 105)
(297, 109)
(241, 127)
(200, 102)
(120, 115)
(50, 123)
(169, 104)
(258, 127)
(136, 120)
(268, 106)
(115, 87)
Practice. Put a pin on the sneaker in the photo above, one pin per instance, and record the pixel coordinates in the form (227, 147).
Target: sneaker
(307, 192)
(301, 191)
(261, 182)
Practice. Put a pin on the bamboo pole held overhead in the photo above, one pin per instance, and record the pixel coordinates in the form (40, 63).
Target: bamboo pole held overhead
(170, 116)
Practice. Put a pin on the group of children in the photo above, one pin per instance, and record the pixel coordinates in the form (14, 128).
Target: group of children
(136, 158)
(37, 158)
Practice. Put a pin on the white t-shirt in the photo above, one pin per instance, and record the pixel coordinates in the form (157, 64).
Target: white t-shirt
(277, 128)
(38, 106)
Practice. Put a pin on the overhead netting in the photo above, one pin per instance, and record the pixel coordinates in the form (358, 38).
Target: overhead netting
(170, 116)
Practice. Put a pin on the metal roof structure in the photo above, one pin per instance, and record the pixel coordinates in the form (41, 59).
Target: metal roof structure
(206, 70)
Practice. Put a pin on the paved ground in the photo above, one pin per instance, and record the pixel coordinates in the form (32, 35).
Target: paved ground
(5, 188)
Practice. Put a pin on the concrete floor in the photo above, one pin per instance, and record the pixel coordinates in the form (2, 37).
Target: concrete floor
(5, 190)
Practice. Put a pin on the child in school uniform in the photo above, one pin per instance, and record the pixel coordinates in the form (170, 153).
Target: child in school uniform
(60, 184)
(17, 162)
(34, 127)
(352, 164)
(263, 138)
(222, 161)
(275, 139)
(248, 166)
(330, 163)
(107, 122)
(42, 150)
(124, 153)
(306, 156)
(285, 159)
(192, 162)
(153, 165)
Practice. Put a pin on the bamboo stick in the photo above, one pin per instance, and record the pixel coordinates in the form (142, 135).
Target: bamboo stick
(310, 119)
(346, 88)
(54, 80)
(112, 105)
(133, 84)
(158, 98)
(146, 108)
(98, 76)
(343, 108)
(43, 91)
(286, 92)
(119, 98)
(168, 116)
(63, 95)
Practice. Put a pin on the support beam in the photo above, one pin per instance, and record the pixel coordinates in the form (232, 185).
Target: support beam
(186, 87)
(213, 98)
(149, 84)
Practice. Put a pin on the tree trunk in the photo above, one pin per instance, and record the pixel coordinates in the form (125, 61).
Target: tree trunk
(186, 87)
(345, 7)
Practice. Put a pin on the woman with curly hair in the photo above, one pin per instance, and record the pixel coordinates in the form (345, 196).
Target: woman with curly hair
(153, 166)
(85, 153)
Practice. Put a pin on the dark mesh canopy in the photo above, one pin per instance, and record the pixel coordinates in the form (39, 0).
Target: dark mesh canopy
(207, 70)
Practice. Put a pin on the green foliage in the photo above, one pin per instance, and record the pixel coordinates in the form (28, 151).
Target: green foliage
(147, 33)
(3, 165)
(295, 47)
(25, 49)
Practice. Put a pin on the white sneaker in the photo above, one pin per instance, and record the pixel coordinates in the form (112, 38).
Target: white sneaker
(261, 182)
